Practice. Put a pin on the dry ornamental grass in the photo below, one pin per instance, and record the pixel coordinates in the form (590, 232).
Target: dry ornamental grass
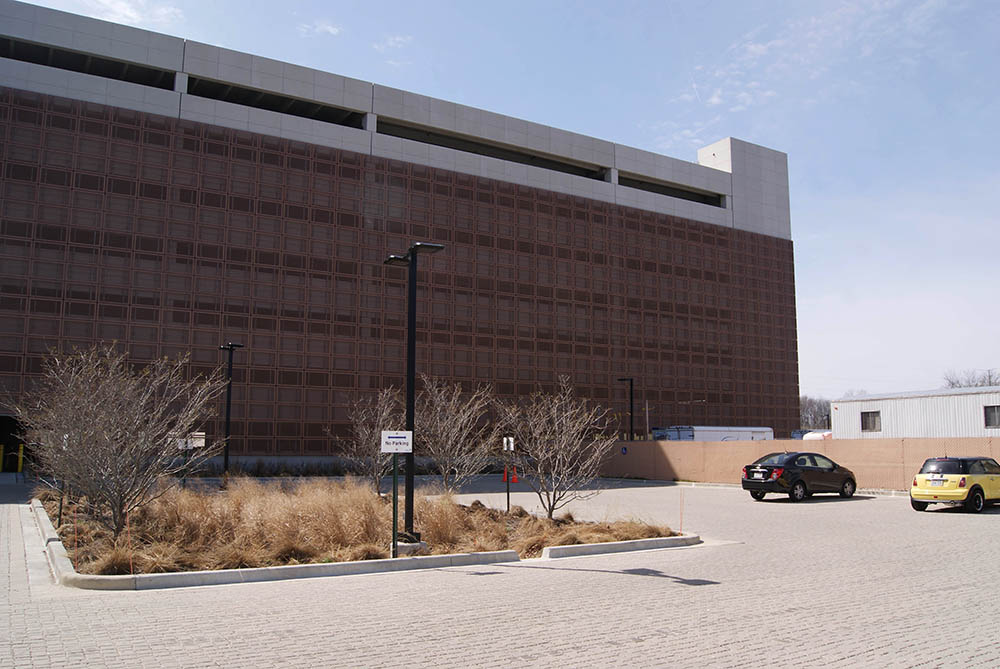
(255, 525)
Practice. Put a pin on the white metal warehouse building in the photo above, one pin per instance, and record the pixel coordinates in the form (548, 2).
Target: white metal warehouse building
(956, 412)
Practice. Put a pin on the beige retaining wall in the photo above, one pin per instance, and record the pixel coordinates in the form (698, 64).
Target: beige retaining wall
(887, 464)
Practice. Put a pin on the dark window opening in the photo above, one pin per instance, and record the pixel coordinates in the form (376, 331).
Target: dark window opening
(871, 421)
(671, 190)
(248, 97)
(108, 68)
(479, 148)
(992, 415)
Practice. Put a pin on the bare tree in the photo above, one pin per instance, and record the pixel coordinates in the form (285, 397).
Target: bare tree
(561, 444)
(369, 417)
(971, 378)
(814, 412)
(111, 431)
(454, 429)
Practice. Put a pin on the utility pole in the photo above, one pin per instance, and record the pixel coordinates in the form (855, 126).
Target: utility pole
(631, 407)
(231, 346)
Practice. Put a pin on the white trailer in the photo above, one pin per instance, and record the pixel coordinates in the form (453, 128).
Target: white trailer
(953, 412)
(713, 433)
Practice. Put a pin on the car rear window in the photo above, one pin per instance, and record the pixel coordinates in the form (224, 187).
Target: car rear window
(943, 467)
(772, 459)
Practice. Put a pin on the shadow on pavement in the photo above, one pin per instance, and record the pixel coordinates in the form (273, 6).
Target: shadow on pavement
(641, 571)
(951, 508)
(781, 498)
(15, 493)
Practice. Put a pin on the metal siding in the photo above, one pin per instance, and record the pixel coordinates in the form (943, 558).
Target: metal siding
(912, 417)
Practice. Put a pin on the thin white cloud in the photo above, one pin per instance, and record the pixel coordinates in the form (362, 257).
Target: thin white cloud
(319, 27)
(392, 42)
(670, 134)
(793, 61)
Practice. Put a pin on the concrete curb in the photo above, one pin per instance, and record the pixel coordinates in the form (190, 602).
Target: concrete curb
(883, 491)
(59, 561)
(620, 546)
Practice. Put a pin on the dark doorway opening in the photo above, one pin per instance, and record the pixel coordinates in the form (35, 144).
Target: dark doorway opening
(13, 452)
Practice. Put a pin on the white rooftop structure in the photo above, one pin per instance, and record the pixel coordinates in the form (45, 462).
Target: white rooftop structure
(952, 412)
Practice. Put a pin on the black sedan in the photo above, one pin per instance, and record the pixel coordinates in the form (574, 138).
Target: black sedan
(798, 475)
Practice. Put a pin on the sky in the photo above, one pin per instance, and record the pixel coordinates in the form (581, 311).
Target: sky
(887, 110)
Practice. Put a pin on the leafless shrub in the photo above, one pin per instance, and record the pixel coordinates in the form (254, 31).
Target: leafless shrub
(110, 430)
(369, 417)
(971, 378)
(453, 428)
(561, 441)
(814, 412)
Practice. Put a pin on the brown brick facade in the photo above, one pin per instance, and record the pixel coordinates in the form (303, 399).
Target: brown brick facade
(173, 236)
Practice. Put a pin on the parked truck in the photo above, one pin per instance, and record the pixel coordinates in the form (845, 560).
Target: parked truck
(712, 433)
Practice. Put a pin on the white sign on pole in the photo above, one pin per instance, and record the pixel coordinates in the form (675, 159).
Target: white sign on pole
(192, 441)
(508, 443)
(397, 441)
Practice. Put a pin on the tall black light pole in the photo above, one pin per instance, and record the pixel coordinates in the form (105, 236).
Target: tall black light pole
(410, 259)
(631, 408)
(231, 346)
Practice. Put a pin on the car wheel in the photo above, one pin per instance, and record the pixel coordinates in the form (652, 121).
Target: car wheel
(848, 488)
(975, 502)
(757, 494)
(798, 492)
(918, 506)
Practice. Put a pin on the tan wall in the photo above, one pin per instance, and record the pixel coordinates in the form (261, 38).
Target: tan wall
(887, 464)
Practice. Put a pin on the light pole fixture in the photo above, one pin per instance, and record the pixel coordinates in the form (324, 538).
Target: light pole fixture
(231, 346)
(631, 408)
(410, 259)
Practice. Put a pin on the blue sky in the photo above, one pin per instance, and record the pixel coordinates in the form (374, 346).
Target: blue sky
(887, 110)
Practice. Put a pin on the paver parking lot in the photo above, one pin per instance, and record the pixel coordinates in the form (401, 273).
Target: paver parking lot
(827, 582)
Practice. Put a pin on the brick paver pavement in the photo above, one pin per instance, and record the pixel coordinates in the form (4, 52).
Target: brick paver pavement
(828, 582)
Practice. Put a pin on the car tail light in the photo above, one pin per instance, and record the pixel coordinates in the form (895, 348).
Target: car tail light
(744, 472)
(776, 473)
(914, 481)
(961, 482)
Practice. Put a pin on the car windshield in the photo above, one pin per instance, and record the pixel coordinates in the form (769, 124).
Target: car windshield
(943, 467)
(771, 459)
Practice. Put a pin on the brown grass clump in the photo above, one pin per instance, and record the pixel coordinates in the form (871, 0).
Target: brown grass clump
(362, 552)
(45, 493)
(160, 557)
(116, 558)
(233, 555)
(255, 525)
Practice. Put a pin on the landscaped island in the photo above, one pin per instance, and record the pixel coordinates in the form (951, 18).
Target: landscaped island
(260, 525)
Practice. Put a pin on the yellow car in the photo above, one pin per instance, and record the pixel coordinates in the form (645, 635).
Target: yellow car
(970, 482)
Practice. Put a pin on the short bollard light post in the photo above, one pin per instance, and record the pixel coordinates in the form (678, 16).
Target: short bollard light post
(62, 495)
(396, 442)
(508, 450)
